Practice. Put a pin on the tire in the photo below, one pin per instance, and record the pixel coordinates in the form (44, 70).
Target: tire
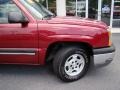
(66, 65)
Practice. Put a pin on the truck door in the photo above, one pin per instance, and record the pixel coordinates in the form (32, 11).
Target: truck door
(18, 41)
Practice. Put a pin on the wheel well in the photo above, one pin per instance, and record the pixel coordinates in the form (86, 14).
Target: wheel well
(55, 47)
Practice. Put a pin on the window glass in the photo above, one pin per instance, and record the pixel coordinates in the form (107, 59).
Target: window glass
(43, 2)
(81, 8)
(71, 7)
(52, 6)
(36, 8)
(7, 6)
(106, 11)
(76, 7)
(49, 4)
(116, 14)
(93, 9)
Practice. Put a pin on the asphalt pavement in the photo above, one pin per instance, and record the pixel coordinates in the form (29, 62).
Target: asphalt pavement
(19, 77)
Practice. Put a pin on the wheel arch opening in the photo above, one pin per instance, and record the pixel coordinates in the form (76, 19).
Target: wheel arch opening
(56, 46)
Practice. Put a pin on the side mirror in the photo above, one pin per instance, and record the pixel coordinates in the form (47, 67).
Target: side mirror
(16, 17)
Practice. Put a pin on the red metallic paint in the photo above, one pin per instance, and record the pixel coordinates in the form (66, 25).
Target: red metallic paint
(39, 34)
(16, 36)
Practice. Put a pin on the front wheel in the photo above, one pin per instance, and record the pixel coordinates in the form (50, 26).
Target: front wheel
(71, 63)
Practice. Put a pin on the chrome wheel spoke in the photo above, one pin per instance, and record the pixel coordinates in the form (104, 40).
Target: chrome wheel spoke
(74, 64)
(70, 71)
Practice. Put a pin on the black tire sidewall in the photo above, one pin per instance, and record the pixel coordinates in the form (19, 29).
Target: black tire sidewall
(62, 72)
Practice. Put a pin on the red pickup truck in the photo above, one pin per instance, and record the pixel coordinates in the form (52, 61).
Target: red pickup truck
(32, 35)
